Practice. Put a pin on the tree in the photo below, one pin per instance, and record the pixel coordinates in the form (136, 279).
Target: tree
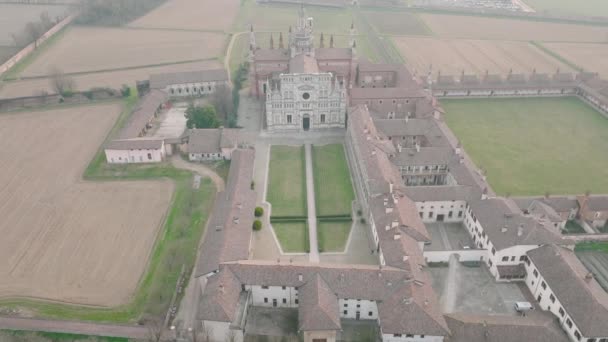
(259, 211)
(61, 83)
(201, 117)
(221, 100)
(257, 225)
(155, 330)
(33, 31)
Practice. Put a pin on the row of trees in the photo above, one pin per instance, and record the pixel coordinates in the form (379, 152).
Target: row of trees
(113, 12)
(34, 30)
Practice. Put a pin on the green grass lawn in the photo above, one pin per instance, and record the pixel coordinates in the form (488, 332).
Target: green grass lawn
(535, 145)
(18, 335)
(293, 236)
(287, 181)
(333, 187)
(571, 7)
(333, 235)
(592, 247)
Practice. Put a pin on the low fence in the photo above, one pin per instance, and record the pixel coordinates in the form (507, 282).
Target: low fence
(465, 255)
(32, 46)
(55, 99)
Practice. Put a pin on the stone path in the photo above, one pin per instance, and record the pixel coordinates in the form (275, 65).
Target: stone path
(201, 169)
(312, 210)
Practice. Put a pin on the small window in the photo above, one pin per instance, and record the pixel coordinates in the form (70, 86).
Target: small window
(288, 119)
(265, 300)
(345, 312)
(409, 335)
(569, 323)
(505, 258)
(345, 305)
(149, 156)
(322, 118)
(370, 314)
(430, 214)
(562, 312)
(552, 298)
(297, 301)
(396, 335)
(577, 335)
(543, 285)
(284, 300)
(535, 273)
(283, 287)
(460, 214)
(493, 251)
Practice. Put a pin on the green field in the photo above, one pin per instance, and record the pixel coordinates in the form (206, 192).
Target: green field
(536, 145)
(333, 235)
(287, 181)
(571, 7)
(23, 336)
(293, 236)
(333, 188)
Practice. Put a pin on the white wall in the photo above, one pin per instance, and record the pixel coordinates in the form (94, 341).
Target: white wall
(411, 338)
(285, 296)
(134, 156)
(206, 156)
(444, 208)
(364, 307)
(191, 89)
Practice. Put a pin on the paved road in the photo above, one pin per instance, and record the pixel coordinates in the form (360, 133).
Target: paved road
(201, 169)
(313, 256)
(95, 329)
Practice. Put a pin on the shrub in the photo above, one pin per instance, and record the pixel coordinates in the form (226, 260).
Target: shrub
(259, 212)
(125, 91)
(362, 220)
(359, 212)
(257, 225)
(252, 185)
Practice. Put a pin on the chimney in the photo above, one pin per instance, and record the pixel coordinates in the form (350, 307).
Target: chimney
(300, 277)
(406, 258)
(388, 210)
(399, 147)
(520, 230)
(387, 228)
(390, 187)
(397, 236)
(395, 224)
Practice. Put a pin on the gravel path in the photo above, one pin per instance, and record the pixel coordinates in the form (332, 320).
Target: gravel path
(201, 169)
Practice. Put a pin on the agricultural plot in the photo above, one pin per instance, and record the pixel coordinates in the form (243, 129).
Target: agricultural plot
(590, 57)
(473, 27)
(287, 181)
(397, 23)
(111, 79)
(536, 145)
(16, 16)
(280, 17)
(204, 15)
(453, 56)
(333, 187)
(63, 239)
(593, 8)
(86, 49)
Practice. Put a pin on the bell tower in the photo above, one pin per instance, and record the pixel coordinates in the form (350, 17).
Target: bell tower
(301, 39)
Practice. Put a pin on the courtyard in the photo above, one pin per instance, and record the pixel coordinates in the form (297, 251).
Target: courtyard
(533, 146)
(472, 289)
(448, 237)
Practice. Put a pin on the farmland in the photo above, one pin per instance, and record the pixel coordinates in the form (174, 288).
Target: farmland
(85, 49)
(570, 7)
(452, 56)
(203, 15)
(533, 146)
(112, 79)
(472, 27)
(66, 240)
(397, 23)
(591, 57)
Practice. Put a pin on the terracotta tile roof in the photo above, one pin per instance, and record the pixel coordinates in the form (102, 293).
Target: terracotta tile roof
(229, 231)
(426, 156)
(594, 203)
(539, 327)
(303, 64)
(333, 53)
(135, 144)
(507, 227)
(211, 140)
(143, 113)
(319, 308)
(441, 193)
(262, 55)
(220, 297)
(386, 93)
(582, 298)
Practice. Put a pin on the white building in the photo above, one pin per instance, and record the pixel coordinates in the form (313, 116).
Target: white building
(190, 83)
(562, 285)
(135, 151)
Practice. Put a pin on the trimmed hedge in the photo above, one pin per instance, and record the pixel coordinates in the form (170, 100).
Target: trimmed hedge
(335, 219)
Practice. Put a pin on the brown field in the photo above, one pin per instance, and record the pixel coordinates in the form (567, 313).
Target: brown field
(64, 239)
(452, 56)
(84, 49)
(453, 26)
(14, 17)
(112, 79)
(211, 15)
(591, 57)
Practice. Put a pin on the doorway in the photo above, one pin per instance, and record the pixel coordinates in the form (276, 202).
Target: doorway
(358, 315)
(306, 123)
(440, 218)
(274, 303)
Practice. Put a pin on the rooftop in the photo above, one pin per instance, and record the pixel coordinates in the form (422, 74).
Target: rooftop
(160, 81)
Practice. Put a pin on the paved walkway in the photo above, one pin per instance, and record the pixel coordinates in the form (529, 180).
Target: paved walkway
(201, 169)
(312, 210)
(69, 327)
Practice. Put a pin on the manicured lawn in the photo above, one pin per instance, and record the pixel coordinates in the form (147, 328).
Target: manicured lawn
(571, 7)
(333, 187)
(572, 227)
(333, 236)
(287, 181)
(293, 236)
(535, 145)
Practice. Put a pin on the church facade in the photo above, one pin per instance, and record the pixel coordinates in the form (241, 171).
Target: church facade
(304, 88)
